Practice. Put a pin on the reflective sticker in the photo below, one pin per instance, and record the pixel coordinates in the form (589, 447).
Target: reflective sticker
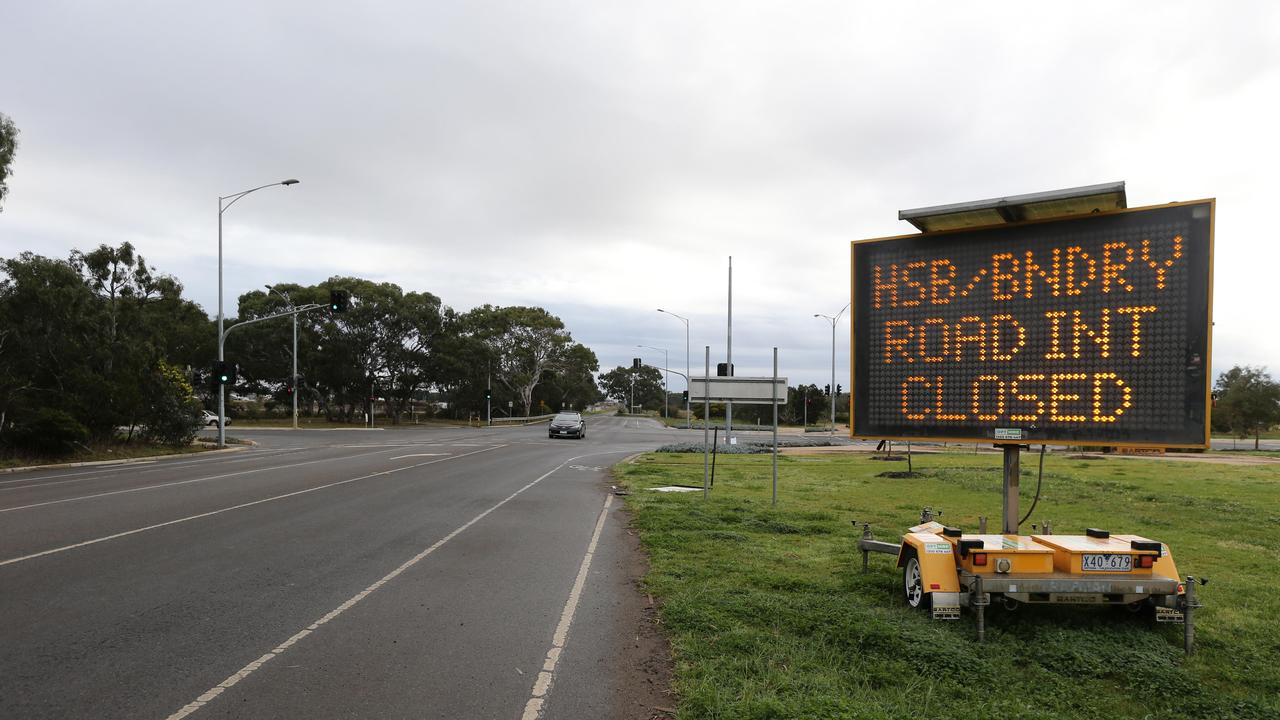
(938, 548)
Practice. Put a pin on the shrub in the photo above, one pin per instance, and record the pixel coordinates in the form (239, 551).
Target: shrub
(48, 432)
(172, 415)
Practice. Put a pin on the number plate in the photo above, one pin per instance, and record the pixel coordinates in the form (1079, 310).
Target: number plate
(1099, 562)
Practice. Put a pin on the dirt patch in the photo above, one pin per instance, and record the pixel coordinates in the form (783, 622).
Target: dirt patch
(646, 661)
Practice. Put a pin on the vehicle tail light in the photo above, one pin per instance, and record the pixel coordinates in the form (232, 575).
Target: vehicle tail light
(979, 558)
(1146, 561)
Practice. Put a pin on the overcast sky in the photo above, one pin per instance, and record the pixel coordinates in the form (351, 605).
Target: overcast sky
(605, 159)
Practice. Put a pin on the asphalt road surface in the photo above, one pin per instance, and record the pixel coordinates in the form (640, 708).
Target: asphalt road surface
(424, 573)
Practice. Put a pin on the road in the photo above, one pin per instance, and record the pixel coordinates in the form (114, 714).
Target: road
(425, 573)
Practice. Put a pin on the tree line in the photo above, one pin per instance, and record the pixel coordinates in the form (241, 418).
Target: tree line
(101, 345)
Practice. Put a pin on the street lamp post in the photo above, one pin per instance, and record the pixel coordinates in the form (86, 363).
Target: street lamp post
(688, 415)
(293, 379)
(833, 321)
(666, 380)
(225, 202)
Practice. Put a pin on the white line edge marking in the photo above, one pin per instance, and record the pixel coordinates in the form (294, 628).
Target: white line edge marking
(401, 457)
(235, 507)
(542, 685)
(186, 482)
(132, 467)
(278, 650)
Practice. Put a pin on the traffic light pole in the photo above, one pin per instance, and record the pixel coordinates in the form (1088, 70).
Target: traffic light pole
(222, 340)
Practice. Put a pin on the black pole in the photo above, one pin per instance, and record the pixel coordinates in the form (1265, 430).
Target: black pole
(715, 444)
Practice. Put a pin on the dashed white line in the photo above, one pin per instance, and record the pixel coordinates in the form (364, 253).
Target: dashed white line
(542, 685)
(234, 507)
(278, 650)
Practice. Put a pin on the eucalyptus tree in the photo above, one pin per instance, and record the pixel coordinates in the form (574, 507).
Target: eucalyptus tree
(522, 345)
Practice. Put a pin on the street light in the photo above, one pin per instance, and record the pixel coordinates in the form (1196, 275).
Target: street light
(293, 379)
(223, 204)
(666, 380)
(833, 321)
(687, 414)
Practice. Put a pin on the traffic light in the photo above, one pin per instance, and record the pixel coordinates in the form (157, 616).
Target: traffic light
(339, 300)
(684, 396)
(636, 363)
(488, 394)
(224, 373)
(826, 389)
(839, 389)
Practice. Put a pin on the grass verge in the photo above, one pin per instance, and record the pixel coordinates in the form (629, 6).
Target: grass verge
(770, 615)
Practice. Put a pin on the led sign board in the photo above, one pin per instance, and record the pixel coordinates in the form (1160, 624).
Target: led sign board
(1092, 329)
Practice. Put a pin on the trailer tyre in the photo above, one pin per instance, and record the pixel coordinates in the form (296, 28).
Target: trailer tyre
(913, 583)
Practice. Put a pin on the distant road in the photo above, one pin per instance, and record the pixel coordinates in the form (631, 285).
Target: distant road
(424, 573)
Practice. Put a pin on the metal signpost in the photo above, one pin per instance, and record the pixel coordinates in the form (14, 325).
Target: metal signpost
(743, 390)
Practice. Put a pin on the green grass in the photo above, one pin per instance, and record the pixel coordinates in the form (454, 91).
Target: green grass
(771, 616)
(115, 451)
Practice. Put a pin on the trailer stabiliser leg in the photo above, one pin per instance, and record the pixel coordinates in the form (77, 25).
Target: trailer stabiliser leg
(980, 606)
(1188, 617)
(866, 535)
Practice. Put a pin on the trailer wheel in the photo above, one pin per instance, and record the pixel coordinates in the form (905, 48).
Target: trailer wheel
(913, 583)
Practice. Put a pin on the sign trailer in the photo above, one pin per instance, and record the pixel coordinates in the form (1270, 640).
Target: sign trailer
(1077, 321)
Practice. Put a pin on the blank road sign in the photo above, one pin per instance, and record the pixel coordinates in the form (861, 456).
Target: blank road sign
(745, 390)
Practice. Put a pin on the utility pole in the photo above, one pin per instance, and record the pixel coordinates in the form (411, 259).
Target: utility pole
(688, 411)
(728, 406)
(666, 381)
(834, 321)
(222, 390)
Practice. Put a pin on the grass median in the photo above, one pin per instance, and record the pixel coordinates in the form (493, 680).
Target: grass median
(770, 614)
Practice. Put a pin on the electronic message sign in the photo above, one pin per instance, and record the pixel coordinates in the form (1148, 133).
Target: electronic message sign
(1092, 329)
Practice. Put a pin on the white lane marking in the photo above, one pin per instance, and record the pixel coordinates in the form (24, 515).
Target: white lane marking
(234, 507)
(184, 482)
(400, 457)
(533, 708)
(132, 468)
(249, 669)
